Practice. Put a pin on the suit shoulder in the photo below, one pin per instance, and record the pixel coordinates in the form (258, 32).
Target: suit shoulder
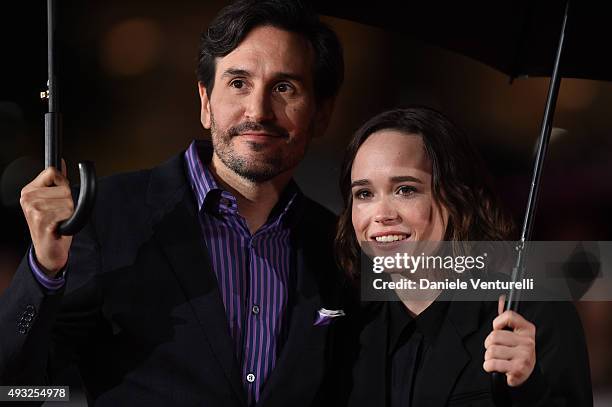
(128, 183)
(132, 188)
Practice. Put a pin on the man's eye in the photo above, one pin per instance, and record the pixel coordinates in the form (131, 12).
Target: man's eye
(237, 83)
(282, 87)
(406, 190)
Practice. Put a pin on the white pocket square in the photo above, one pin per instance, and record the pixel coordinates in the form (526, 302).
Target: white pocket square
(326, 316)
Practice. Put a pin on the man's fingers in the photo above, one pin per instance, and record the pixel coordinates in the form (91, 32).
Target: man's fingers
(64, 171)
(49, 204)
(47, 192)
(47, 178)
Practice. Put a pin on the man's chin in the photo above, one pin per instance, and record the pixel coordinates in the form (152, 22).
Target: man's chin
(257, 144)
(257, 175)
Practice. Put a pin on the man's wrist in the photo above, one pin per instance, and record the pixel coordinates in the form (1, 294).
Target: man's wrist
(52, 283)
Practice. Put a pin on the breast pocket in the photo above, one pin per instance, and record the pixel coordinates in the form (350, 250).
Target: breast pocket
(479, 398)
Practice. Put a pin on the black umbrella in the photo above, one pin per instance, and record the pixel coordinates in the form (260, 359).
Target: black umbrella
(53, 139)
(519, 38)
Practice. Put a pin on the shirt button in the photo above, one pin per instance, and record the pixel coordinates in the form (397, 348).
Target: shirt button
(250, 378)
(255, 309)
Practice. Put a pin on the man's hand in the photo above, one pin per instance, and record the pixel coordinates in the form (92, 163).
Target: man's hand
(511, 352)
(46, 201)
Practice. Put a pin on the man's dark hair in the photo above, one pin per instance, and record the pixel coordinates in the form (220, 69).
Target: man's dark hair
(235, 21)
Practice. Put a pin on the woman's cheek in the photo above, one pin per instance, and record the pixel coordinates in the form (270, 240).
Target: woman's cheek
(357, 218)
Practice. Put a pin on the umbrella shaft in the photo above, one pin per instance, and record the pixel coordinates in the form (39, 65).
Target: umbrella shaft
(51, 17)
(553, 91)
(53, 142)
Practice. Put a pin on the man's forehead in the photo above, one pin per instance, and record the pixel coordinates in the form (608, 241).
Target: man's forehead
(272, 50)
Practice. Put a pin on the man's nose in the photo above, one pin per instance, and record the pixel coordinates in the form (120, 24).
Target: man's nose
(259, 106)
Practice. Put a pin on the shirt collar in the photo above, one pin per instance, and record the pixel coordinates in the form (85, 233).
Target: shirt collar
(427, 322)
(204, 186)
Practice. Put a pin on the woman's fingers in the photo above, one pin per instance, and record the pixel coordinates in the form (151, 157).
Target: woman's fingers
(510, 347)
(516, 322)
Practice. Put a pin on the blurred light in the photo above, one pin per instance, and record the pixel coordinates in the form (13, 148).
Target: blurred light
(11, 118)
(557, 133)
(131, 47)
(577, 94)
(16, 175)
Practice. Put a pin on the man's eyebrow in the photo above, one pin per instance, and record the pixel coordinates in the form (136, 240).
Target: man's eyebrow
(235, 72)
(232, 72)
(289, 76)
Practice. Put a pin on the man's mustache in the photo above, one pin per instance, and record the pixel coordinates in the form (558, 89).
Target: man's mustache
(259, 127)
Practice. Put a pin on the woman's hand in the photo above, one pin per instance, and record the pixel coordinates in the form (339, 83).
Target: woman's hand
(510, 351)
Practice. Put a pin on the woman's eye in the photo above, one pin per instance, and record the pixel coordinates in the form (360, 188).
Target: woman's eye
(362, 194)
(237, 83)
(406, 190)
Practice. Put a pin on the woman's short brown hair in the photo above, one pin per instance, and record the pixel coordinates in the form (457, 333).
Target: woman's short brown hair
(459, 181)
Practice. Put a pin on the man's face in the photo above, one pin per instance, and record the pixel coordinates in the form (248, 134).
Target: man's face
(262, 110)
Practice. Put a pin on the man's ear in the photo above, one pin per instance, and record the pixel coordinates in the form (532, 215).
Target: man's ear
(205, 114)
(323, 116)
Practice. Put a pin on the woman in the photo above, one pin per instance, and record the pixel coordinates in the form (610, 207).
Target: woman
(410, 175)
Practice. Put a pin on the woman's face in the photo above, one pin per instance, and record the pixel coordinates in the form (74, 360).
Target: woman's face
(391, 189)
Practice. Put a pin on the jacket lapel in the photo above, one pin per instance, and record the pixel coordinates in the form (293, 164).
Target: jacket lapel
(435, 382)
(177, 230)
(315, 287)
(306, 303)
(370, 370)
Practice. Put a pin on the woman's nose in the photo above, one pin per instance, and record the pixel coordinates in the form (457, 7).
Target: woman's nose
(385, 213)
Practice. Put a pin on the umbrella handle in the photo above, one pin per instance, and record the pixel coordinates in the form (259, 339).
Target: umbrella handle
(87, 172)
(499, 390)
(499, 387)
(87, 196)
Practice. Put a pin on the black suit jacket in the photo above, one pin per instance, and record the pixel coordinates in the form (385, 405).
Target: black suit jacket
(454, 375)
(141, 314)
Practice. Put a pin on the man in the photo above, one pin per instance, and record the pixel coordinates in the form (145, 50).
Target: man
(207, 280)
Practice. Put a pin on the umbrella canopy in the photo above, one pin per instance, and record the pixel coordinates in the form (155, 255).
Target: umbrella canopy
(518, 38)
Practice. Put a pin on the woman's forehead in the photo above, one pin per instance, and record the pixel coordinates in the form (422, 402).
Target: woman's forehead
(391, 150)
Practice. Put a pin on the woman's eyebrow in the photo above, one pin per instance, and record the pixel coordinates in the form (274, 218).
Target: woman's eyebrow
(360, 182)
(404, 178)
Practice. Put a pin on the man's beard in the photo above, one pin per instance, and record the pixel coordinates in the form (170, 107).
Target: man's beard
(260, 170)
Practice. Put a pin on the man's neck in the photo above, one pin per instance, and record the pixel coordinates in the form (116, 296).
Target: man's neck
(255, 199)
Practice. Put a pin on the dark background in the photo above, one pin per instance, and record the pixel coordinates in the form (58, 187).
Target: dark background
(129, 101)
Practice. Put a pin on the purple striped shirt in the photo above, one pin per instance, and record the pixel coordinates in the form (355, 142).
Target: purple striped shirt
(252, 270)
